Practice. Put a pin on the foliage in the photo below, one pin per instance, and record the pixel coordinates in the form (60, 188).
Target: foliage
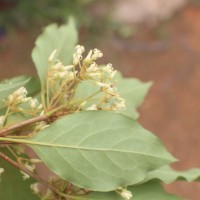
(27, 14)
(11, 182)
(81, 120)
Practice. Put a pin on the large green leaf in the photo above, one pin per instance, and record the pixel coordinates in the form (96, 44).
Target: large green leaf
(12, 186)
(99, 150)
(63, 38)
(131, 89)
(7, 88)
(168, 175)
(152, 190)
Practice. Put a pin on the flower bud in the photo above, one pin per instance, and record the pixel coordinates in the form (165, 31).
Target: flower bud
(92, 107)
(1, 171)
(2, 119)
(96, 54)
(79, 49)
(125, 194)
(35, 188)
(76, 59)
(52, 55)
(33, 103)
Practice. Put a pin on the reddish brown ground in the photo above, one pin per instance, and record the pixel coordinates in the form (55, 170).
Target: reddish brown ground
(172, 108)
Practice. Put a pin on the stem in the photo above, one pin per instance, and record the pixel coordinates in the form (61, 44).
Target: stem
(12, 152)
(6, 115)
(86, 99)
(56, 96)
(43, 96)
(39, 179)
(47, 88)
(24, 169)
(24, 123)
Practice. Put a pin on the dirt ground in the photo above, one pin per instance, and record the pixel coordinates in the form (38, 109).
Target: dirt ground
(171, 110)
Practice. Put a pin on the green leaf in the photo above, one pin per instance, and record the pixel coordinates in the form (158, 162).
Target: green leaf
(134, 92)
(131, 89)
(99, 150)
(63, 38)
(152, 190)
(168, 175)
(7, 88)
(12, 186)
(32, 86)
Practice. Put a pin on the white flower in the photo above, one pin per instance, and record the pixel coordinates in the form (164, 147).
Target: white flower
(21, 91)
(94, 75)
(29, 167)
(41, 125)
(121, 105)
(71, 75)
(61, 74)
(103, 85)
(57, 67)
(52, 55)
(18, 96)
(35, 188)
(77, 58)
(35, 160)
(1, 171)
(92, 107)
(96, 54)
(92, 68)
(112, 74)
(108, 68)
(33, 103)
(2, 119)
(112, 91)
(39, 107)
(126, 194)
(68, 67)
(88, 57)
(79, 49)
(25, 176)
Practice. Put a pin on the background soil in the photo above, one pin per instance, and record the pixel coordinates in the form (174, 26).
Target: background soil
(171, 109)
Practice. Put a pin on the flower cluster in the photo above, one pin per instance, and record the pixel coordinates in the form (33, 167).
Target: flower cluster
(59, 71)
(19, 102)
(20, 96)
(101, 76)
(62, 81)
(17, 97)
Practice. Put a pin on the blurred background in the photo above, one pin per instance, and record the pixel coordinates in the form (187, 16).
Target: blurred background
(156, 40)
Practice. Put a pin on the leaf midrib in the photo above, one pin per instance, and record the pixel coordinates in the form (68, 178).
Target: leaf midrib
(89, 149)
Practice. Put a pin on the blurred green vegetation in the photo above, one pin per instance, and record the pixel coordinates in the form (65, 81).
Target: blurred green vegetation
(25, 14)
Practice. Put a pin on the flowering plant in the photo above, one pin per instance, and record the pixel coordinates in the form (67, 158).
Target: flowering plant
(81, 121)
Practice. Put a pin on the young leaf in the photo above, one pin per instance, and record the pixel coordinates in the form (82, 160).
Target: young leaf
(62, 38)
(99, 150)
(168, 175)
(7, 88)
(12, 186)
(152, 190)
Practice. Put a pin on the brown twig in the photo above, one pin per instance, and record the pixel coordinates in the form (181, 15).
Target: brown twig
(24, 169)
(24, 123)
